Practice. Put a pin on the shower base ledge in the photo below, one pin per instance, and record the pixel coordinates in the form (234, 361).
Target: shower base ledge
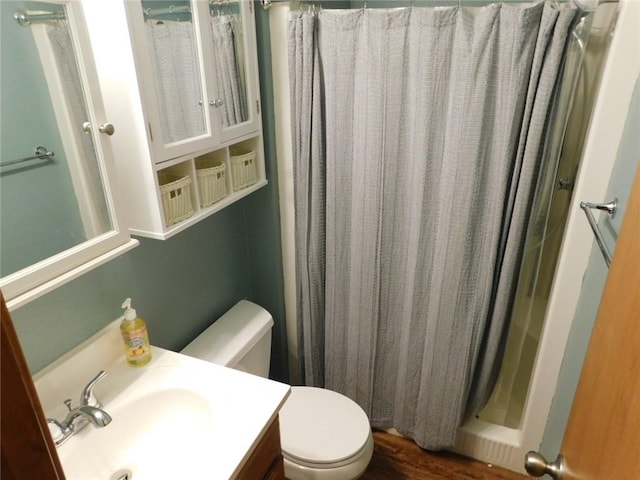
(490, 443)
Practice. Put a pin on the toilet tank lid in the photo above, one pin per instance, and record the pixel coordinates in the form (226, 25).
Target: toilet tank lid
(230, 337)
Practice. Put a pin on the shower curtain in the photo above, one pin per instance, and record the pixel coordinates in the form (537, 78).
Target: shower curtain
(418, 136)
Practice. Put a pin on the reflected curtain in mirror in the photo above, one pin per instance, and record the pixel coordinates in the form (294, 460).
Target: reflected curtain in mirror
(88, 178)
(228, 71)
(174, 61)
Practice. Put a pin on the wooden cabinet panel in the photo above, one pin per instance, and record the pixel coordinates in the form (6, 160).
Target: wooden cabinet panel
(276, 472)
(265, 461)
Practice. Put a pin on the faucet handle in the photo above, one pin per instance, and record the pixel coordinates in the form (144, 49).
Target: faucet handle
(87, 397)
(67, 402)
(56, 430)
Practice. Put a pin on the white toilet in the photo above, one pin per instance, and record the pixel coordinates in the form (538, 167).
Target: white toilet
(324, 435)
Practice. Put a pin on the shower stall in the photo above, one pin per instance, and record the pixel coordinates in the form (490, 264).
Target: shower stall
(587, 50)
(502, 432)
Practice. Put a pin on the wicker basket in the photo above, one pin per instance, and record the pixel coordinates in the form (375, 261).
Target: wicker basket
(243, 164)
(212, 184)
(175, 191)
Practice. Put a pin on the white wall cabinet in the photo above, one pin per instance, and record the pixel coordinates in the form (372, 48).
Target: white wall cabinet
(182, 78)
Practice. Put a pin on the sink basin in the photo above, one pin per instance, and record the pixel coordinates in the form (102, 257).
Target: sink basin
(165, 434)
(177, 417)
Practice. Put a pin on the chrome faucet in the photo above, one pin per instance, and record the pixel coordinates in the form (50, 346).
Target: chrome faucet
(88, 412)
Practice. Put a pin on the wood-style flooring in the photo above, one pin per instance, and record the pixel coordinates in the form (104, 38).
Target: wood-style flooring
(397, 458)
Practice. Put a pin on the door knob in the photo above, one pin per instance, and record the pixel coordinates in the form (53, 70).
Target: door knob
(107, 128)
(536, 465)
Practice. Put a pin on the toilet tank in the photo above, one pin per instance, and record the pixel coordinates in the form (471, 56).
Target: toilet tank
(240, 339)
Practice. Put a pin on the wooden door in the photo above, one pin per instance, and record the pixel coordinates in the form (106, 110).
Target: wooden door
(27, 448)
(602, 440)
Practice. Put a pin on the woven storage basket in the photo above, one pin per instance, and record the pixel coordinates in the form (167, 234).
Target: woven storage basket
(175, 191)
(212, 184)
(243, 163)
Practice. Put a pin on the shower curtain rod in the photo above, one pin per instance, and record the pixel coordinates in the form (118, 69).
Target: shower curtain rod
(266, 4)
(151, 13)
(158, 13)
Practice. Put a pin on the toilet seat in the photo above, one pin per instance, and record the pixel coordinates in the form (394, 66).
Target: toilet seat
(322, 429)
(350, 471)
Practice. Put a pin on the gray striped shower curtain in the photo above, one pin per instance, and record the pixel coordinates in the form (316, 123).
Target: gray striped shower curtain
(418, 138)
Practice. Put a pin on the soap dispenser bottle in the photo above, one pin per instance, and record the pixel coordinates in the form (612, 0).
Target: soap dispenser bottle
(135, 336)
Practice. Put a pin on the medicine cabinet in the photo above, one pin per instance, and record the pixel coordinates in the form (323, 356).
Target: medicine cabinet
(196, 70)
(186, 87)
(60, 217)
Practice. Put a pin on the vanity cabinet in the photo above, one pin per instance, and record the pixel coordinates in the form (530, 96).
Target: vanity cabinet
(186, 89)
(265, 462)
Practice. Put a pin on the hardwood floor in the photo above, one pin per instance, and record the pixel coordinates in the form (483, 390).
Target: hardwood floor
(397, 458)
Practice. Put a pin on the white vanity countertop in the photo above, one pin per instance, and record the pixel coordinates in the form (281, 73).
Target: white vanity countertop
(220, 413)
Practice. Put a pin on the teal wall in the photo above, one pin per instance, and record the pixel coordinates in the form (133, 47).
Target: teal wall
(181, 285)
(593, 283)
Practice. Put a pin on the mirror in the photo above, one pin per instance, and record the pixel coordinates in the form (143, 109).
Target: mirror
(228, 51)
(43, 105)
(53, 179)
(174, 53)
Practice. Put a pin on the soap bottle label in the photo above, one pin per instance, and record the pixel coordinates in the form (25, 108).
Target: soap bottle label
(136, 344)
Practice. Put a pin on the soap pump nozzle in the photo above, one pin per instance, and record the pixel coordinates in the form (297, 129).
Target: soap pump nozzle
(129, 313)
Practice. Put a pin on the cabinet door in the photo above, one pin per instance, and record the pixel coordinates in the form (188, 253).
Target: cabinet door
(229, 42)
(167, 44)
(197, 69)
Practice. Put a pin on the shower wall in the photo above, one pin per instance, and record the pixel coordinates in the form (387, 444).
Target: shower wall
(627, 162)
(546, 233)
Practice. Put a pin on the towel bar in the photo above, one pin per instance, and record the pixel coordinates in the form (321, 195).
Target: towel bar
(39, 153)
(610, 208)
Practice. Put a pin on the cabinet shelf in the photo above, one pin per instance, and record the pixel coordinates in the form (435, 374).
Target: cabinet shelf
(184, 197)
(199, 214)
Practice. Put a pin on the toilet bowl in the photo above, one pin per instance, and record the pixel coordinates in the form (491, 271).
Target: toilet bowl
(324, 435)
